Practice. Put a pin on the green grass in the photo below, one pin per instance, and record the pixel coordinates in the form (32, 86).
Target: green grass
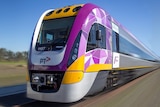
(12, 73)
(22, 62)
(12, 80)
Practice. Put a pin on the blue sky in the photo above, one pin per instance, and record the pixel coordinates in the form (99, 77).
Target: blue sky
(19, 17)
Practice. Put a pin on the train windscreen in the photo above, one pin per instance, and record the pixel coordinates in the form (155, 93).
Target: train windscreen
(54, 33)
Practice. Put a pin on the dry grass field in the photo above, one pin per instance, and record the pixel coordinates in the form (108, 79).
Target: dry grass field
(12, 73)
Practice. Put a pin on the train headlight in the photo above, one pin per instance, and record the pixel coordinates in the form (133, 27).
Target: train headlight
(35, 78)
(50, 79)
(74, 57)
(74, 50)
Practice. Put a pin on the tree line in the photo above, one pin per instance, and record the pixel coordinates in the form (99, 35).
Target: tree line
(8, 55)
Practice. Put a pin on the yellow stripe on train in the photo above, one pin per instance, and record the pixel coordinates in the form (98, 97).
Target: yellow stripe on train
(75, 72)
(99, 67)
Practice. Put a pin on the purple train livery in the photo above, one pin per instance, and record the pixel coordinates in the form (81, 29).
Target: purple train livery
(80, 50)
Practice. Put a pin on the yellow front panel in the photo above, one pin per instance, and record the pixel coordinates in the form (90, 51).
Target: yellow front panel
(75, 72)
(71, 77)
(78, 64)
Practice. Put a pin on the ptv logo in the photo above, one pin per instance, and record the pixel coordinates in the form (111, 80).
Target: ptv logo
(44, 60)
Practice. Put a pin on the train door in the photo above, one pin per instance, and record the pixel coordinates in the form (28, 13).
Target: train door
(115, 46)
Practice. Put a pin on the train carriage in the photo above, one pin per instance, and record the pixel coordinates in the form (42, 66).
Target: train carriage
(79, 50)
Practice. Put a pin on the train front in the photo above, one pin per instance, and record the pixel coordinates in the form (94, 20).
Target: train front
(54, 72)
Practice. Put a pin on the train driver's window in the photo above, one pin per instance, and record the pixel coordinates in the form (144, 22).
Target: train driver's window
(92, 42)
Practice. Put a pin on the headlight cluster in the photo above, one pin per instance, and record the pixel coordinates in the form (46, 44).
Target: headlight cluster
(74, 51)
(44, 79)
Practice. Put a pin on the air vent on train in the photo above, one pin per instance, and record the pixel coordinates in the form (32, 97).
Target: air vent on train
(76, 8)
(58, 11)
(49, 13)
(66, 10)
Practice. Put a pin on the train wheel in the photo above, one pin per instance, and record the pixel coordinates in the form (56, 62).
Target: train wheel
(112, 80)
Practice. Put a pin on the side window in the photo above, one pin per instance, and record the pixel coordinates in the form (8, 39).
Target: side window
(92, 43)
(103, 34)
(115, 41)
(126, 47)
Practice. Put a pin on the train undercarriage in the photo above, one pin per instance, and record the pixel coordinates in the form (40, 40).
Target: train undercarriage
(116, 77)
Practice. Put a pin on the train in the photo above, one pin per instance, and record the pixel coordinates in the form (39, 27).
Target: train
(80, 50)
